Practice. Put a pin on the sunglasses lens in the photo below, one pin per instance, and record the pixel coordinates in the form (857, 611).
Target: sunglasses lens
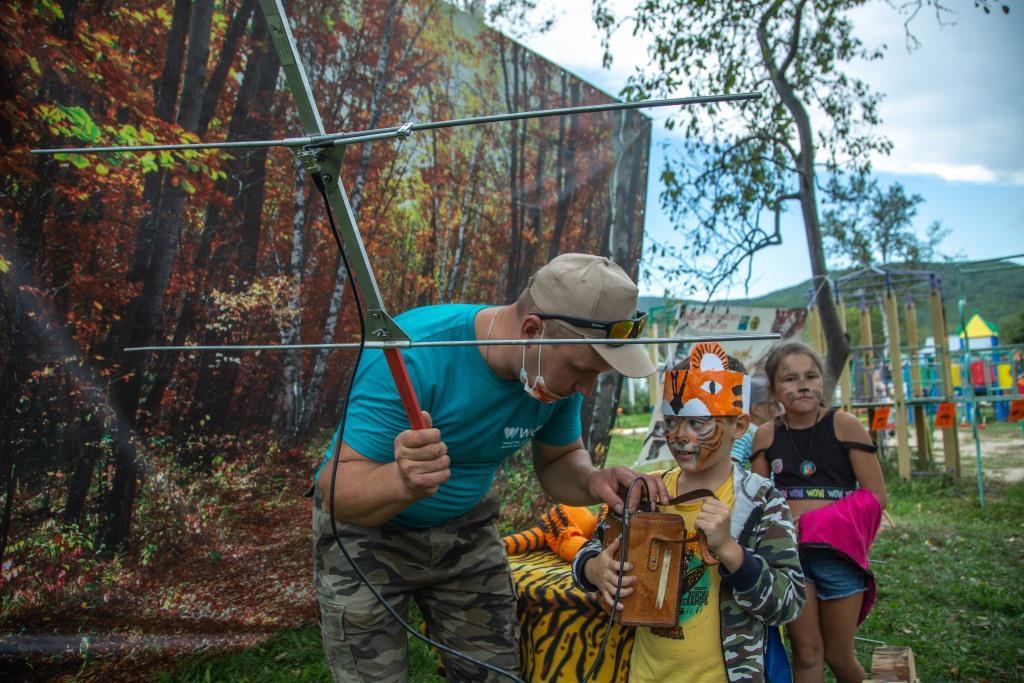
(639, 325)
(621, 329)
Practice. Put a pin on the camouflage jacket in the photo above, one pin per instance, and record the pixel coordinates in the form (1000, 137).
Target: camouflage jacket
(766, 590)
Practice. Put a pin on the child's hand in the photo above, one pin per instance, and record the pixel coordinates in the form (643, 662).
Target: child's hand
(713, 519)
(603, 572)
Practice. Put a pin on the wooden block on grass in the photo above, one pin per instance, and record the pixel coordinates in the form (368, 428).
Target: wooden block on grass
(893, 665)
(887, 521)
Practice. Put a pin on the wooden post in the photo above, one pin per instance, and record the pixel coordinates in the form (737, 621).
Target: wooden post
(867, 342)
(950, 444)
(814, 329)
(845, 388)
(893, 665)
(898, 393)
(822, 343)
(653, 395)
(924, 453)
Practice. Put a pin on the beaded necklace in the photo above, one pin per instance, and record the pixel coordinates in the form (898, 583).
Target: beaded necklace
(807, 466)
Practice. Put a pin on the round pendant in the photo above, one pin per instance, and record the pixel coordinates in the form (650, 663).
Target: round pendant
(777, 466)
(807, 468)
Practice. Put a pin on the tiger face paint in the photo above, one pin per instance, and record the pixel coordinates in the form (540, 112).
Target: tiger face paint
(695, 442)
(702, 406)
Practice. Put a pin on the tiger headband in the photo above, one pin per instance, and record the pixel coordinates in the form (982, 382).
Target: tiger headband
(706, 388)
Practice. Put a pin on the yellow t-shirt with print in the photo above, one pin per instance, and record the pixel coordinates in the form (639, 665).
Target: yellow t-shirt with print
(691, 651)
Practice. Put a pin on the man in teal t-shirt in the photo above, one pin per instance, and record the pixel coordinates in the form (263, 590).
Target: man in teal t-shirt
(413, 506)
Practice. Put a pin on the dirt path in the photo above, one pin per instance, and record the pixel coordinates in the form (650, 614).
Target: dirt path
(1002, 451)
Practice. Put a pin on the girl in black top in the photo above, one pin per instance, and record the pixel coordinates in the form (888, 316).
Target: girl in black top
(818, 455)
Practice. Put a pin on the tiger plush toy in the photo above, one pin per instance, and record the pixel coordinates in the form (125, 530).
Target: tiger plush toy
(562, 528)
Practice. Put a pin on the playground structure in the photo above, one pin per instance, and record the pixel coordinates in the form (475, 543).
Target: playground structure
(924, 384)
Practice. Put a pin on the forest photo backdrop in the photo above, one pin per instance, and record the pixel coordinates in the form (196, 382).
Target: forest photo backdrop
(152, 502)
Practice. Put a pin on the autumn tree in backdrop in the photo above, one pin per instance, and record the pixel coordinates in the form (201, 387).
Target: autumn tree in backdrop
(115, 464)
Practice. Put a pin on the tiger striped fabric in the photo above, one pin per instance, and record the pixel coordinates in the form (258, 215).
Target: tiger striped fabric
(561, 627)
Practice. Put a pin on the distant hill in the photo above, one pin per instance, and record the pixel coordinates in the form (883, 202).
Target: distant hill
(996, 295)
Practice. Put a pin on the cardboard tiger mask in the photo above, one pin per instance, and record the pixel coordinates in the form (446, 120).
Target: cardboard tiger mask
(707, 388)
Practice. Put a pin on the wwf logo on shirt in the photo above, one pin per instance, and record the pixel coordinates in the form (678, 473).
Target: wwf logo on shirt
(517, 436)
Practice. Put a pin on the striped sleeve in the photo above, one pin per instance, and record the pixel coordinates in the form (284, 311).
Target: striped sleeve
(590, 550)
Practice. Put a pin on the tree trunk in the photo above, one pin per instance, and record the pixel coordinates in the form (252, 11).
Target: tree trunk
(537, 199)
(835, 338)
(7, 462)
(515, 201)
(144, 319)
(8, 386)
(627, 183)
(468, 202)
(289, 393)
(598, 415)
(565, 168)
(228, 53)
(187, 317)
(165, 92)
(427, 268)
(90, 433)
(380, 80)
(215, 387)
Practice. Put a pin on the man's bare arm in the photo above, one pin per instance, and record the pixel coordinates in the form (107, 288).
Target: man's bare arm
(369, 493)
(568, 474)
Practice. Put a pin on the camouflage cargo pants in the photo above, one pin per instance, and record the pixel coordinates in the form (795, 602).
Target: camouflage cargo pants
(457, 573)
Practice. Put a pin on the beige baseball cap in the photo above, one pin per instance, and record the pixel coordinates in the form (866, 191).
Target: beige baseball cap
(594, 288)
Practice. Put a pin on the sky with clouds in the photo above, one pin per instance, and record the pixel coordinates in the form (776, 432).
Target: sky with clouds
(953, 108)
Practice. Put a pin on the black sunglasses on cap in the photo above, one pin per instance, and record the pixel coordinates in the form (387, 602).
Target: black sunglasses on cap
(613, 329)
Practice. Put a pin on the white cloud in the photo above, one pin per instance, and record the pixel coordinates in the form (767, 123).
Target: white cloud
(575, 44)
(954, 108)
(968, 173)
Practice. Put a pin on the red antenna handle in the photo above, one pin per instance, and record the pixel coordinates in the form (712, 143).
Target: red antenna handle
(404, 385)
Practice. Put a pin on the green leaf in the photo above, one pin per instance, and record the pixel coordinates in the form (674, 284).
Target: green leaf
(148, 161)
(82, 125)
(77, 160)
(52, 7)
(128, 134)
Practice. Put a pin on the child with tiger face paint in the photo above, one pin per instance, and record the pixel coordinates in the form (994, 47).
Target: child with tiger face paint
(727, 610)
(705, 411)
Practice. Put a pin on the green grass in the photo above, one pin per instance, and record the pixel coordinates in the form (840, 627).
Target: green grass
(951, 581)
(623, 449)
(632, 420)
(289, 656)
(950, 585)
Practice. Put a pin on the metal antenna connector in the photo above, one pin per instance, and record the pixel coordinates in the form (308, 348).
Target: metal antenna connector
(310, 159)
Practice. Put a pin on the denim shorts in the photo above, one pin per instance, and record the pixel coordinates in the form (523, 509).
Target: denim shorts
(833, 575)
